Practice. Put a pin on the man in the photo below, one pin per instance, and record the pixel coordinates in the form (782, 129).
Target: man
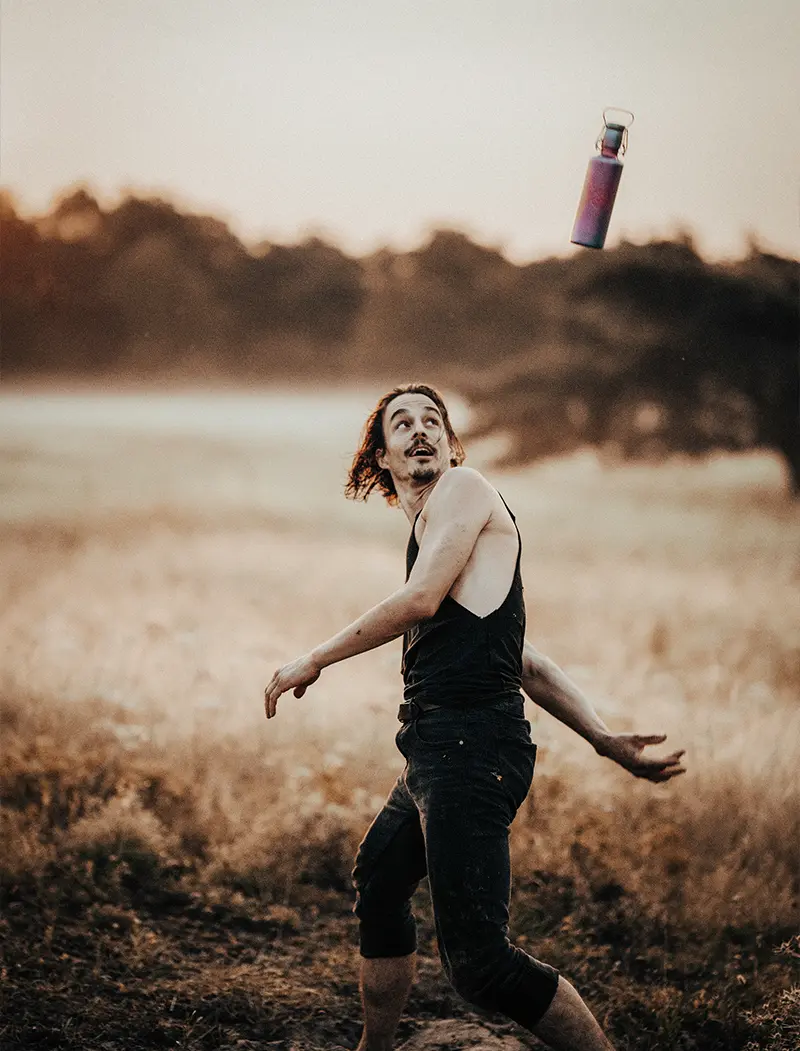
(469, 755)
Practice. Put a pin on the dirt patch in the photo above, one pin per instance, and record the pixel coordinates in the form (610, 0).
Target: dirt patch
(119, 968)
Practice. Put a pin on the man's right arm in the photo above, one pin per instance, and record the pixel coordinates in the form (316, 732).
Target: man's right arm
(457, 512)
(551, 689)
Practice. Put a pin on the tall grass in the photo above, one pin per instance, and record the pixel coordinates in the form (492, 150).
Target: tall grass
(139, 626)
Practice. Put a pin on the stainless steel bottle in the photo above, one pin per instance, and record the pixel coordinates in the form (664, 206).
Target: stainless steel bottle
(601, 183)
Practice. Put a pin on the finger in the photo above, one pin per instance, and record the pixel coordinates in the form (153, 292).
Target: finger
(270, 685)
(645, 766)
(665, 760)
(676, 756)
(644, 739)
(666, 774)
(299, 691)
(660, 760)
(656, 772)
(272, 699)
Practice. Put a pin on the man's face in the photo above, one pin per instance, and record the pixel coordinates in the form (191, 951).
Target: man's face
(415, 439)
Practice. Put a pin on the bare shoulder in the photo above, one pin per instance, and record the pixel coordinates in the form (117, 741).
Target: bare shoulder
(462, 483)
(464, 487)
(466, 478)
(461, 495)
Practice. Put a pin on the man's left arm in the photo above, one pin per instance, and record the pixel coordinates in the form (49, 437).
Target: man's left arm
(456, 512)
(552, 689)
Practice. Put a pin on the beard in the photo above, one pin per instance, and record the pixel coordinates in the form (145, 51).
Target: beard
(424, 473)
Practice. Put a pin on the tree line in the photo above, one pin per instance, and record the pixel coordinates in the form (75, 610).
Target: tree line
(642, 349)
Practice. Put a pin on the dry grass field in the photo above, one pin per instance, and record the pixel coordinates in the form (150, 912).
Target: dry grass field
(175, 870)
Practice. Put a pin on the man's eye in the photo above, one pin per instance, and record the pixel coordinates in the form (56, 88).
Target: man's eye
(402, 423)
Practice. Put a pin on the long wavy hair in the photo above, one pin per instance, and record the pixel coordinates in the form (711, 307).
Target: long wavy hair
(365, 475)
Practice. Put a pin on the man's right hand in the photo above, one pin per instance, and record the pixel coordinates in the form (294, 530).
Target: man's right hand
(298, 675)
(627, 750)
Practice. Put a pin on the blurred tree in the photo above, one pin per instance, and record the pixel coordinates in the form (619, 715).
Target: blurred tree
(640, 350)
(24, 281)
(449, 303)
(76, 216)
(54, 315)
(311, 290)
(168, 302)
(656, 352)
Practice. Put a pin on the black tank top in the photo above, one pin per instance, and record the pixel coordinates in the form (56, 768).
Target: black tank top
(458, 659)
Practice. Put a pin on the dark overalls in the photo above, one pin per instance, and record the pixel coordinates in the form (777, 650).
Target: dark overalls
(469, 765)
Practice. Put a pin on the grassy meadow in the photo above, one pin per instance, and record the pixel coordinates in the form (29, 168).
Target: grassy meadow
(175, 870)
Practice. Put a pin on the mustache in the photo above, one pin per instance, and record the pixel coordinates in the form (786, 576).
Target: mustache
(425, 446)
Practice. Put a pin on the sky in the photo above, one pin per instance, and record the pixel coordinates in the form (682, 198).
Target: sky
(372, 122)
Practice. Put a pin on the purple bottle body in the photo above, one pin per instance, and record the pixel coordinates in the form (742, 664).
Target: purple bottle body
(599, 190)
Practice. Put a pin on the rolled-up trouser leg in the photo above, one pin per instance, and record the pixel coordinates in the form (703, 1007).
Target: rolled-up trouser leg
(389, 865)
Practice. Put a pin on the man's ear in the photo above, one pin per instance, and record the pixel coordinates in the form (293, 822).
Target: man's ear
(380, 458)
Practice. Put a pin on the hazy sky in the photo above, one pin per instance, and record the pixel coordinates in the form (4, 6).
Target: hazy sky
(371, 121)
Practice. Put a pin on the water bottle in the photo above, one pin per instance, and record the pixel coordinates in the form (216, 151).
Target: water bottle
(600, 185)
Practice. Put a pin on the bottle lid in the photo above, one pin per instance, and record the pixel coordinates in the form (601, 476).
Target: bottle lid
(613, 137)
(612, 140)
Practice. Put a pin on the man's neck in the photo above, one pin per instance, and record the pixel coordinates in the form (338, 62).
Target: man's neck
(412, 498)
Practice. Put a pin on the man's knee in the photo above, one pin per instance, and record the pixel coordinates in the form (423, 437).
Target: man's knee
(474, 976)
(470, 985)
(385, 878)
(386, 923)
(495, 978)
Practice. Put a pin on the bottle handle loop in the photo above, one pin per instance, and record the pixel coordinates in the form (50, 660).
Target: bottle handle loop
(616, 109)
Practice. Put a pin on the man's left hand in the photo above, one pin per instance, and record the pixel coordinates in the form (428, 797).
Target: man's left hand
(627, 750)
(298, 675)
